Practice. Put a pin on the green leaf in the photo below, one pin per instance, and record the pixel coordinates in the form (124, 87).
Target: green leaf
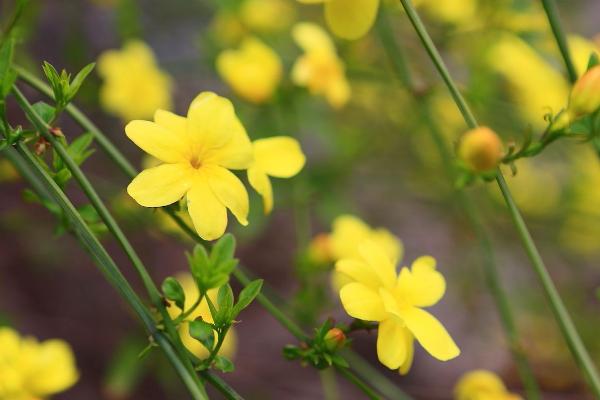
(45, 111)
(78, 80)
(223, 364)
(7, 74)
(225, 305)
(593, 61)
(247, 295)
(78, 149)
(203, 332)
(173, 291)
(222, 252)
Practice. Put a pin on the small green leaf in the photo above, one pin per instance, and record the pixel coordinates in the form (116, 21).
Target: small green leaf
(78, 80)
(225, 305)
(173, 291)
(45, 111)
(247, 295)
(202, 332)
(78, 149)
(7, 74)
(593, 61)
(223, 364)
(223, 250)
(199, 262)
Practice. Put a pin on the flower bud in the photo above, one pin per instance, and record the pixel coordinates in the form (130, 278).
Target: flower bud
(480, 149)
(319, 249)
(585, 96)
(334, 339)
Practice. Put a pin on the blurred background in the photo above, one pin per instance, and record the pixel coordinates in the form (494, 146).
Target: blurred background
(371, 156)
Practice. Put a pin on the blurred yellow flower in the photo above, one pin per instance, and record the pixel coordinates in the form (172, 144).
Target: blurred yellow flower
(253, 71)
(585, 95)
(347, 233)
(482, 385)
(349, 19)
(34, 370)
(279, 157)
(267, 16)
(191, 295)
(376, 293)
(134, 86)
(8, 173)
(452, 12)
(319, 68)
(227, 28)
(536, 86)
(197, 152)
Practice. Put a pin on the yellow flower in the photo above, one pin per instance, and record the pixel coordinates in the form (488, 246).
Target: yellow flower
(585, 95)
(8, 173)
(191, 295)
(280, 157)
(482, 385)
(535, 85)
(319, 68)
(197, 153)
(267, 16)
(253, 71)
(226, 28)
(377, 294)
(459, 12)
(349, 19)
(134, 86)
(480, 149)
(33, 370)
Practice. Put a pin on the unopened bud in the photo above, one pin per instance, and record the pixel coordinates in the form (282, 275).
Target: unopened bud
(41, 146)
(480, 149)
(585, 96)
(334, 339)
(319, 249)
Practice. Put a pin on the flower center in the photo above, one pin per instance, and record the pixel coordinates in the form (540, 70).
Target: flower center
(195, 162)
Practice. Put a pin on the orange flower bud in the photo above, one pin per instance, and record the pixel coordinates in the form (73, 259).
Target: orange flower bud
(480, 149)
(334, 339)
(585, 96)
(319, 249)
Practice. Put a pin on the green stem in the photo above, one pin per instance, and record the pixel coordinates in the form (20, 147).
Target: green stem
(566, 325)
(110, 222)
(221, 386)
(490, 269)
(39, 179)
(329, 384)
(348, 374)
(557, 30)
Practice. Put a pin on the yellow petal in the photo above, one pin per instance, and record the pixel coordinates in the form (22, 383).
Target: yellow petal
(166, 145)
(261, 183)
(229, 190)
(162, 185)
(211, 121)
(410, 353)
(422, 286)
(430, 333)
(279, 156)
(351, 19)
(363, 303)
(358, 271)
(52, 370)
(311, 37)
(236, 153)
(379, 262)
(391, 343)
(171, 122)
(208, 214)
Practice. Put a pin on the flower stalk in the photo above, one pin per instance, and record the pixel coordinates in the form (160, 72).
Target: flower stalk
(561, 314)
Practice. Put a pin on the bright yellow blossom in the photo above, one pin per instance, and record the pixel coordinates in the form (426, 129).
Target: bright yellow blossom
(267, 16)
(349, 19)
(319, 68)
(377, 294)
(453, 12)
(253, 72)
(279, 157)
(482, 385)
(191, 295)
(34, 370)
(134, 86)
(197, 153)
(581, 49)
